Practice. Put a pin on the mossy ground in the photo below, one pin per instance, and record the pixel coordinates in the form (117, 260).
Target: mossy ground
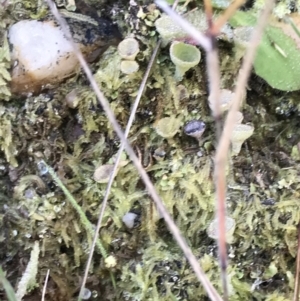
(263, 182)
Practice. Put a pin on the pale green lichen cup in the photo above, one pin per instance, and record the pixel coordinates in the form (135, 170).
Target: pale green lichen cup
(184, 57)
(128, 49)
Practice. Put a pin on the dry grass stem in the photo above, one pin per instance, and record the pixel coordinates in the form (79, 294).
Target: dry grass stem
(213, 73)
(213, 77)
(117, 161)
(212, 293)
(45, 285)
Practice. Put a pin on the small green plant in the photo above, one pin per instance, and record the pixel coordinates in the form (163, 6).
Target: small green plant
(10, 293)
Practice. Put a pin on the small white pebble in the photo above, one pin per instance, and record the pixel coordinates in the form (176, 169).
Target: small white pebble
(86, 294)
(199, 154)
(128, 219)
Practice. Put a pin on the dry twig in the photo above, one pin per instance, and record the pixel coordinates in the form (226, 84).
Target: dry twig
(45, 285)
(117, 161)
(226, 15)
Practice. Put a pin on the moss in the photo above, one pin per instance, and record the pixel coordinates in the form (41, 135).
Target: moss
(263, 190)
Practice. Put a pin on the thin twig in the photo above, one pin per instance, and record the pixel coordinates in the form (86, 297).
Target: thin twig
(212, 293)
(199, 37)
(45, 285)
(213, 73)
(117, 161)
(209, 13)
(223, 147)
(226, 15)
(296, 287)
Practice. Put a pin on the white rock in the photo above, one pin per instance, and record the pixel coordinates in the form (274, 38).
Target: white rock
(128, 219)
(86, 294)
(41, 55)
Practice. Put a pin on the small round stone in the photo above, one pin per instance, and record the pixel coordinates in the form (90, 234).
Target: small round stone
(43, 169)
(128, 219)
(72, 99)
(86, 294)
(159, 154)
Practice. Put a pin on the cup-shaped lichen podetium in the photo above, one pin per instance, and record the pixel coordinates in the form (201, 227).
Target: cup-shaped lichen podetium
(167, 127)
(226, 98)
(240, 133)
(128, 49)
(212, 230)
(184, 56)
(102, 173)
(129, 67)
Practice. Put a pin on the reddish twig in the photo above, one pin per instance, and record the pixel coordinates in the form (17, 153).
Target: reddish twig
(223, 146)
(209, 14)
(226, 15)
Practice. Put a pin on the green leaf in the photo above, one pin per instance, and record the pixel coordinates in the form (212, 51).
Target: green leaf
(278, 56)
(7, 287)
(278, 60)
(241, 18)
